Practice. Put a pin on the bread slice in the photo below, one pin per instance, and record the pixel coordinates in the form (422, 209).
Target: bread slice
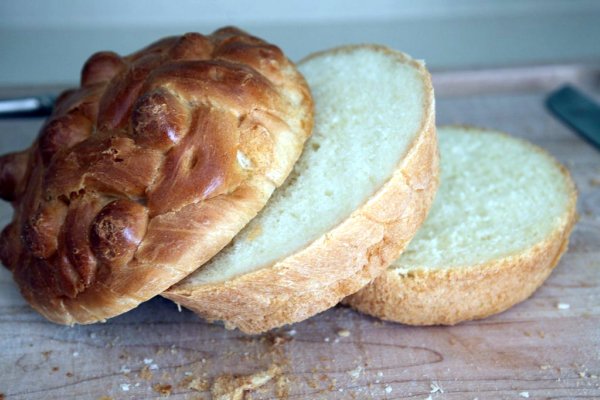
(356, 197)
(499, 224)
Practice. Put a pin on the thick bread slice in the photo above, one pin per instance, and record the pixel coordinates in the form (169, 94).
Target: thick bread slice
(356, 197)
(149, 169)
(499, 224)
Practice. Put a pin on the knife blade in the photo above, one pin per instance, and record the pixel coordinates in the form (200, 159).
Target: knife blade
(31, 106)
(577, 111)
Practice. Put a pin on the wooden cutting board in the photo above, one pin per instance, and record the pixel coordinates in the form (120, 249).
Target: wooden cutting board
(535, 350)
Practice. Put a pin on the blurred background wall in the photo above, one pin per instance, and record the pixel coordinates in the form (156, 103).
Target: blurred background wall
(46, 41)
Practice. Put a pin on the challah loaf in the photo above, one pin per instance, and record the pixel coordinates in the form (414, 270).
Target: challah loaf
(148, 169)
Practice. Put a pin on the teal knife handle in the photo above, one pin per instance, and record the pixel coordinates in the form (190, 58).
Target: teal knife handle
(578, 111)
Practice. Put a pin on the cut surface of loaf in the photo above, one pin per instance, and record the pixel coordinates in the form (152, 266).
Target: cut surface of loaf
(148, 169)
(356, 196)
(499, 224)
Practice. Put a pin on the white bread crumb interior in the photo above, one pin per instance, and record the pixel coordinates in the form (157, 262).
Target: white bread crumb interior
(498, 196)
(354, 149)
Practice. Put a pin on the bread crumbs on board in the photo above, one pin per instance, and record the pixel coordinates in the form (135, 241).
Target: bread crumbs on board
(541, 334)
(197, 384)
(435, 388)
(277, 339)
(282, 387)
(230, 387)
(145, 373)
(163, 389)
(343, 333)
(193, 378)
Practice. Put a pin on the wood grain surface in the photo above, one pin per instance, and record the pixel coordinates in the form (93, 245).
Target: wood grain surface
(536, 350)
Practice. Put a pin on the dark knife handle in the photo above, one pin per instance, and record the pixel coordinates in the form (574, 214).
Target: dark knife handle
(578, 111)
(32, 106)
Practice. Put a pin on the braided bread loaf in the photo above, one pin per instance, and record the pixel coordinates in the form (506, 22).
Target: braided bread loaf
(148, 169)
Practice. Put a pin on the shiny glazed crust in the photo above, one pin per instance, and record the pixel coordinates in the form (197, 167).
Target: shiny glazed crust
(148, 169)
(342, 260)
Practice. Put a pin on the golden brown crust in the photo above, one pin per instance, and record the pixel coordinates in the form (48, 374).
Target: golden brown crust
(452, 295)
(342, 260)
(149, 169)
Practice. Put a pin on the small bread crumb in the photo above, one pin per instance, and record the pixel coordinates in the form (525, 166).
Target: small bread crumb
(125, 387)
(277, 340)
(563, 306)
(524, 394)
(145, 373)
(435, 388)
(282, 387)
(541, 334)
(198, 384)
(164, 390)
(343, 333)
(228, 387)
(388, 389)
